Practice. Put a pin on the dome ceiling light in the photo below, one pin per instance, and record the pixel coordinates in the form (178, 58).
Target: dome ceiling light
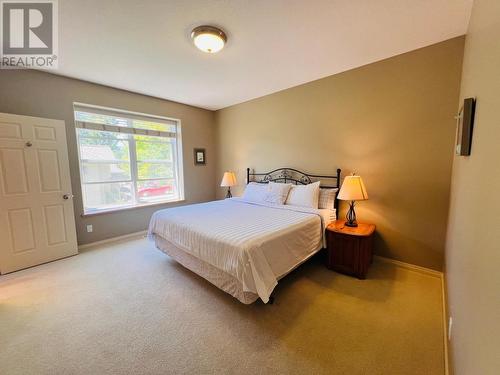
(208, 39)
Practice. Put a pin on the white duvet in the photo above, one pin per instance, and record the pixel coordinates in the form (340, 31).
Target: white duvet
(256, 243)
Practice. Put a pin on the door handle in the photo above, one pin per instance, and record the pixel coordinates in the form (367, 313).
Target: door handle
(28, 144)
(67, 196)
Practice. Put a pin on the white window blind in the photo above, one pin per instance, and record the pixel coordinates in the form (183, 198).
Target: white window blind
(127, 159)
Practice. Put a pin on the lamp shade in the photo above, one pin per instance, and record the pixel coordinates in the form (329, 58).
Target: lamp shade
(229, 179)
(353, 189)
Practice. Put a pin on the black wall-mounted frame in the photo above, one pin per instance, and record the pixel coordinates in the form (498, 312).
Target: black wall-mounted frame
(465, 124)
(200, 157)
(294, 176)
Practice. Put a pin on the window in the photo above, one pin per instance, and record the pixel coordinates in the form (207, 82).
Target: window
(127, 159)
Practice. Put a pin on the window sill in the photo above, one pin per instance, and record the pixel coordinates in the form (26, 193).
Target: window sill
(120, 209)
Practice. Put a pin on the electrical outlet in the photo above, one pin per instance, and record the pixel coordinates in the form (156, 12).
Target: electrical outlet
(450, 324)
(90, 228)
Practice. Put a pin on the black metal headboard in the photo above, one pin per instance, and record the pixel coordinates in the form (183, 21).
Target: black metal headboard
(294, 176)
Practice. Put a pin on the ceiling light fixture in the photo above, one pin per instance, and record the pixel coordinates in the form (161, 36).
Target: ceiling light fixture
(208, 38)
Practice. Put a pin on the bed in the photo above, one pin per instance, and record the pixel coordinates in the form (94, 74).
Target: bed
(244, 247)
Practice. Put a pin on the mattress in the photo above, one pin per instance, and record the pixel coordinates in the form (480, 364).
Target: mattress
(254, 243)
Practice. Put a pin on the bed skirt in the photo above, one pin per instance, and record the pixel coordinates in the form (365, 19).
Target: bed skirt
(217, 277)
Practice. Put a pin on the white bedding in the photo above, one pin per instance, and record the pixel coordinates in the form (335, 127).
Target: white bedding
(256, 243)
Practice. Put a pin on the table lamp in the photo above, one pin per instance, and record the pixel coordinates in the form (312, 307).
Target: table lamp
(352, 190)
(228, 180)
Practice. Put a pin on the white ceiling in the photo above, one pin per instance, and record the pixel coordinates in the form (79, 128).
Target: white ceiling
(145, 47)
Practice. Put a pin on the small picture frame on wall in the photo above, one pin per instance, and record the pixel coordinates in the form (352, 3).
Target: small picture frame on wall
(199, 156)
(465, 123)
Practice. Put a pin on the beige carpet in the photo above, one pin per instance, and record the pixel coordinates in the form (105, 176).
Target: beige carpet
(126, 308)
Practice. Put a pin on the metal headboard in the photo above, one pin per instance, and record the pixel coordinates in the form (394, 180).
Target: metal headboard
(294, 176)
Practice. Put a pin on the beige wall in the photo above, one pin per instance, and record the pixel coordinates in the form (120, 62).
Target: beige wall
(473, 242)
(391, 122)
(41, 94)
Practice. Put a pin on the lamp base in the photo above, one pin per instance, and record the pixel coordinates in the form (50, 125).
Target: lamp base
(351, 216)
(228, 194)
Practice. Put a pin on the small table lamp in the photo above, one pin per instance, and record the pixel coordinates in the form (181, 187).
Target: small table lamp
(228, 180)
(352, 190)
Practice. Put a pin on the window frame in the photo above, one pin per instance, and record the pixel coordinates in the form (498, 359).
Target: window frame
(177, 163)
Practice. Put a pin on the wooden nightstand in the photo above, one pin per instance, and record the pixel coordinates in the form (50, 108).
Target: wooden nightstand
(349, 249)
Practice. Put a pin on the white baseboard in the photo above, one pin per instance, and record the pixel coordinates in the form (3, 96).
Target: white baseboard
(142, 233)
(129, 236)
(445, 328)
(410, 266)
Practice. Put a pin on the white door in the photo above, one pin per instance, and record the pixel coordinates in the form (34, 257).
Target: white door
(36, 209)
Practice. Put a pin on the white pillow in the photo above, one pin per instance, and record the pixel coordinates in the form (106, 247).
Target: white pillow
(255, 192)
(277, 193)
(327, 198)
(304, 195)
